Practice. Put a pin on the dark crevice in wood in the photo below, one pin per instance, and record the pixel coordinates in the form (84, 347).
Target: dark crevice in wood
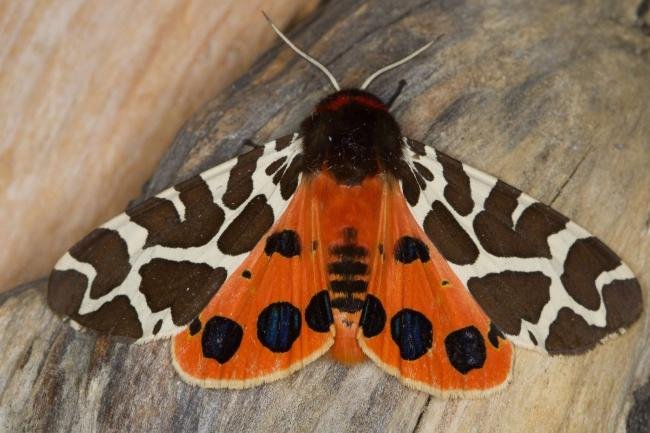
(416, 427)
(641, 12)
(568, 179)
(643, 8)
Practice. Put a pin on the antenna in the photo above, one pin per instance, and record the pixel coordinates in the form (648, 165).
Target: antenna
(397, 63)
(303, 54)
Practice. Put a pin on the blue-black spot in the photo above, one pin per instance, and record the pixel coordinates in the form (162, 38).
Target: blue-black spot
(412, 332)
(195, 326)
(408, 249)
(221, 338)
(246, 274)
(465, 349)
(286, 242)
(318, 314)
(373, 317)
(278, 326)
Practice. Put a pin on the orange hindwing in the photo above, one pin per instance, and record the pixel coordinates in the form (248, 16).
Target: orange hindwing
(270, 318)
(419, 322)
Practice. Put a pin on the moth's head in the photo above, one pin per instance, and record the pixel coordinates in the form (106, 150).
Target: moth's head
(346, 115)
(351, 134)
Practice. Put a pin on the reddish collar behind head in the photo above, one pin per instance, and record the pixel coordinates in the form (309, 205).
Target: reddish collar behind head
(340, 99)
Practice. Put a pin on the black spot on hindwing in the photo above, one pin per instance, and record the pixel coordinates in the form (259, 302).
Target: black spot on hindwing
(318, 314)
(286, 243)
(278, 326)
(412, 332)
(409, 249)
(466, 349)
(373, 317)
(221, 338)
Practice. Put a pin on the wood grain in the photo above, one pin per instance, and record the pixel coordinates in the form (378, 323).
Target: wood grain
(91, 95)
(550, 96)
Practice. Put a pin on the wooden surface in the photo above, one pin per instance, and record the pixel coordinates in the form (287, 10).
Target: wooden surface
(552, 97)
(91, 95)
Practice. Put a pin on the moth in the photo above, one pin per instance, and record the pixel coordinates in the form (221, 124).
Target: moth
(347, 237)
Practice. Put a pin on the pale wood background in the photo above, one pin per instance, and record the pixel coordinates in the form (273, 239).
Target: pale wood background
(91, 95)
(553, 97)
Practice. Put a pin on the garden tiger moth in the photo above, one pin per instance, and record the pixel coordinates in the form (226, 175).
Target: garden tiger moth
(349, 238)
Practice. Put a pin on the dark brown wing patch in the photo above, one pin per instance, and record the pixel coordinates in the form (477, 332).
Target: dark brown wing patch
(448, 236)
(203, 217)
(289, 177)
(185, 287)
(528, 238)
(106, 251)
(586, 260)
(169, 255)
(457, 191)
(118, 317)
(508, 297)
(243, 233)
(543, 280)
(240, 181)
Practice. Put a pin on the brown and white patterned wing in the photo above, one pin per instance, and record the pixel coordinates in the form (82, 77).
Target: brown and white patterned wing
(148, 272)
(544, 281)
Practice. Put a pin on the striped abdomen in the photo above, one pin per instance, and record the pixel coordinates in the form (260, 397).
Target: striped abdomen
(348, 272)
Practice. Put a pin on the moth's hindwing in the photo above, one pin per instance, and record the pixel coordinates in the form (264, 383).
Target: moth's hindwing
(271, 317)
(419, 322)
(544, 281)
(148, 272)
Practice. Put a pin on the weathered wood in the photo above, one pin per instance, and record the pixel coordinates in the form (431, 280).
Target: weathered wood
(550, 96)
(92, 93)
